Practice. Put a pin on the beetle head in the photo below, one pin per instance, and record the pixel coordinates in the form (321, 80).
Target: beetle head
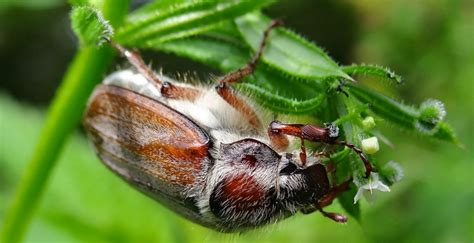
(301, 185)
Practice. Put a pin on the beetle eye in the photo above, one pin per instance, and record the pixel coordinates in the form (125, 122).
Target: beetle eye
(289, 169)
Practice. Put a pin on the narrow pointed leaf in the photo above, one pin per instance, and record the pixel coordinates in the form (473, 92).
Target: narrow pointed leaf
(446, 132)
(385, 107)
(287, 51)
(374, 70)
(403, 115)
(281, 104)
(158, 9)
(274, 91)
(147, 28)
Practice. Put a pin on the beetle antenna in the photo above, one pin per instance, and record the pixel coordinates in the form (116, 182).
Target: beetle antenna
(368, 166)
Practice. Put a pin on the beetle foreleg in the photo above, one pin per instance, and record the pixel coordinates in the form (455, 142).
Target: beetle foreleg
(248, 69)
(239, 104)
(228, 94)
(334, 216)
(329, 198)
(315, 134)
(334, 192)
(167, 89)
(172, 91)
(278, 140)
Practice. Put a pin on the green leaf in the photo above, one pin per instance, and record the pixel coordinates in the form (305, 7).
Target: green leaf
(375, 70)
(445, 132)
(352, 115)
(78, 2)
(90, 26)
(287, 51)
(406, 116)
(270, 89)
(64, 115)
(148, 27)
(155, 8)
(281, 104)
(388, 108)
(31, 4)
(216, 53)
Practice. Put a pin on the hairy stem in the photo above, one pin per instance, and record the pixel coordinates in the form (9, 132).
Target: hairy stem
(64, 114)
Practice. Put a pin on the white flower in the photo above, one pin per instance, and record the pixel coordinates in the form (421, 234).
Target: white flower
(370, 145)
(373, 183)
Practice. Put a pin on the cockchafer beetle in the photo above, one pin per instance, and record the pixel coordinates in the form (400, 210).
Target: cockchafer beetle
(203, 151)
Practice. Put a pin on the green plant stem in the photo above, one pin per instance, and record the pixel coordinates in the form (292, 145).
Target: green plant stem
(64, 114)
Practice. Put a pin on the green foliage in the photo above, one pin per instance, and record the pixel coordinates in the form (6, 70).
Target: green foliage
(375, 70)
(153, 25)
(281, 104)
(294, 77)
(288, 51)
(392, 172)
(30, 4)
(431, 113)
(81, 208)
(426, 120)
(263, 85)
(90, 26)
(84, 72)
(390, 109)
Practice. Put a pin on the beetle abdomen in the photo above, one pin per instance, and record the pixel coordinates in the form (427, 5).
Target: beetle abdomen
(150, 145)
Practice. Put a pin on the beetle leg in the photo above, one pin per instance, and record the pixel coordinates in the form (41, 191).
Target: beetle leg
(166, 88)
(314, 134)
(334, 216)
(278, 140)
(368, 167)
(239, 104)
(333, 193)
(329, 198)
(230, 96)
(137, 61)
(172, 91)
(248, 69)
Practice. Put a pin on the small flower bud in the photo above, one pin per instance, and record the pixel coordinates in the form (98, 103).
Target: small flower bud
(432, 111)
(370, 145)
(368, 123)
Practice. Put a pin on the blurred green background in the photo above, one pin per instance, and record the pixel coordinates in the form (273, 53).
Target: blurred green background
(429, 42)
